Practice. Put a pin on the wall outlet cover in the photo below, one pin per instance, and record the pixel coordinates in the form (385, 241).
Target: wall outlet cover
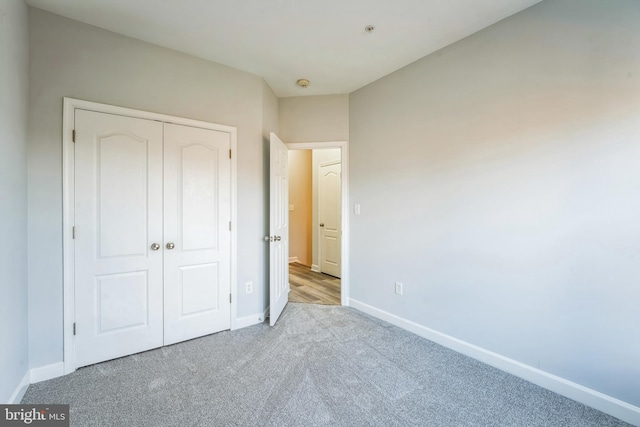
(399, 289)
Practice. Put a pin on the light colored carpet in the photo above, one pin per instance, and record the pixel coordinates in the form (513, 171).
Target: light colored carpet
(319, 366)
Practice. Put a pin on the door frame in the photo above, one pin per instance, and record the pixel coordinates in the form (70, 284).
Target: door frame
(344, 159)
(68, 207)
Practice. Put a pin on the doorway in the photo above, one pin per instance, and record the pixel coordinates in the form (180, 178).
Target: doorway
(315, 218)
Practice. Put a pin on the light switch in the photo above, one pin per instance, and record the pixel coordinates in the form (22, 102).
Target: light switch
(290, 207)
(356, 209)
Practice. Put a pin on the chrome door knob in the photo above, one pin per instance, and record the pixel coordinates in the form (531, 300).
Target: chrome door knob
(155, 247)
(267, 238)
(170, 245)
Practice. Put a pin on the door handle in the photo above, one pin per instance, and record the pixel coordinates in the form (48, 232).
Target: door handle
(277, 239)
(155, 247)
(170, 245)
(322, 224)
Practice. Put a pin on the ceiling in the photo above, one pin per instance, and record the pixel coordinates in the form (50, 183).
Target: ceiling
(323, 41)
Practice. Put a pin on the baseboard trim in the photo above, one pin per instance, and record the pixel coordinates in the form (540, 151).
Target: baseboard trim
(293, 259)
(315, 268)
(20, 390)
(243, 322)
(47, 372)
(577, 392)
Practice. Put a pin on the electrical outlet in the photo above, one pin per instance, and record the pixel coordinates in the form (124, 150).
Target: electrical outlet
(398, 288)
(249, 287)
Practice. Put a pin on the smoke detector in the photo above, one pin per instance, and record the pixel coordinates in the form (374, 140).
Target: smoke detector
(303, 83)
(369, 28)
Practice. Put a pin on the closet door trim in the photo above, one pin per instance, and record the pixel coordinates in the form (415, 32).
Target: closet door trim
(68, 203)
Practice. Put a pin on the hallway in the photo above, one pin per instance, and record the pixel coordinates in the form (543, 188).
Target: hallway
(310, 287)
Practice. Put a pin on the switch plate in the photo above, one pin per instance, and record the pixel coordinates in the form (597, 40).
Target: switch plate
(399, 287)
(249, 287)
(291, 207)
(356, 209)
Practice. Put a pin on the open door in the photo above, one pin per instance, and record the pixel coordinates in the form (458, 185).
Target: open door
(278, 228)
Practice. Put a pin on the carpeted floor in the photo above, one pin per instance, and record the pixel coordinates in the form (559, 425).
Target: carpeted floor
(319, 366)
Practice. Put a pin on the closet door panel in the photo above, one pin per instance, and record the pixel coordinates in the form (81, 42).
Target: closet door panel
(197, 213)
(118, 216)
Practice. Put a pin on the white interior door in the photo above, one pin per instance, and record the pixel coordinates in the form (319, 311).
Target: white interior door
(118, 222)
(197, 249)
(330, 217)
(278, 228)
(152, 247)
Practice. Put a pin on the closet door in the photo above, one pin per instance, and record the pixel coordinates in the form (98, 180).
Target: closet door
(197, 214)
(118, 233)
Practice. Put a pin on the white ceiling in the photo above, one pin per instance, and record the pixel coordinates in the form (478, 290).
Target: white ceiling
(284, 40)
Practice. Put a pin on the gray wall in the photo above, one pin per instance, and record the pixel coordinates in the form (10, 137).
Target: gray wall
(80, 61)
(502, 176)
(314, 118)
(14, 95)
(270, 112)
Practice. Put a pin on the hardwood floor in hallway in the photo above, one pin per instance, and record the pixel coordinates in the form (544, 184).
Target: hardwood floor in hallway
(310, 287)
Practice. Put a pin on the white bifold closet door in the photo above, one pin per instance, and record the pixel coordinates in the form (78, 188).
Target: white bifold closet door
(152, 239)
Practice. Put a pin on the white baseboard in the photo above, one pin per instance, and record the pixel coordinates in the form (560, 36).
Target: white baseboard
(315, 268)
(35, 375)
(243, 322)
(20, 390)
(48, 372)
(293, 259)
(577, 392)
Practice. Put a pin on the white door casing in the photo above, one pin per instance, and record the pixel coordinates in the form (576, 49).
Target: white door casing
(197, 232)
(330, 217)
(278, 227)
(118, 210)
(126, 160)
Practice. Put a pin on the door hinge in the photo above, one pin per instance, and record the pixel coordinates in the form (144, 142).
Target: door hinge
(229, 298)
(74, 328)
(73, 135)
(229, 153)
(73, 232)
